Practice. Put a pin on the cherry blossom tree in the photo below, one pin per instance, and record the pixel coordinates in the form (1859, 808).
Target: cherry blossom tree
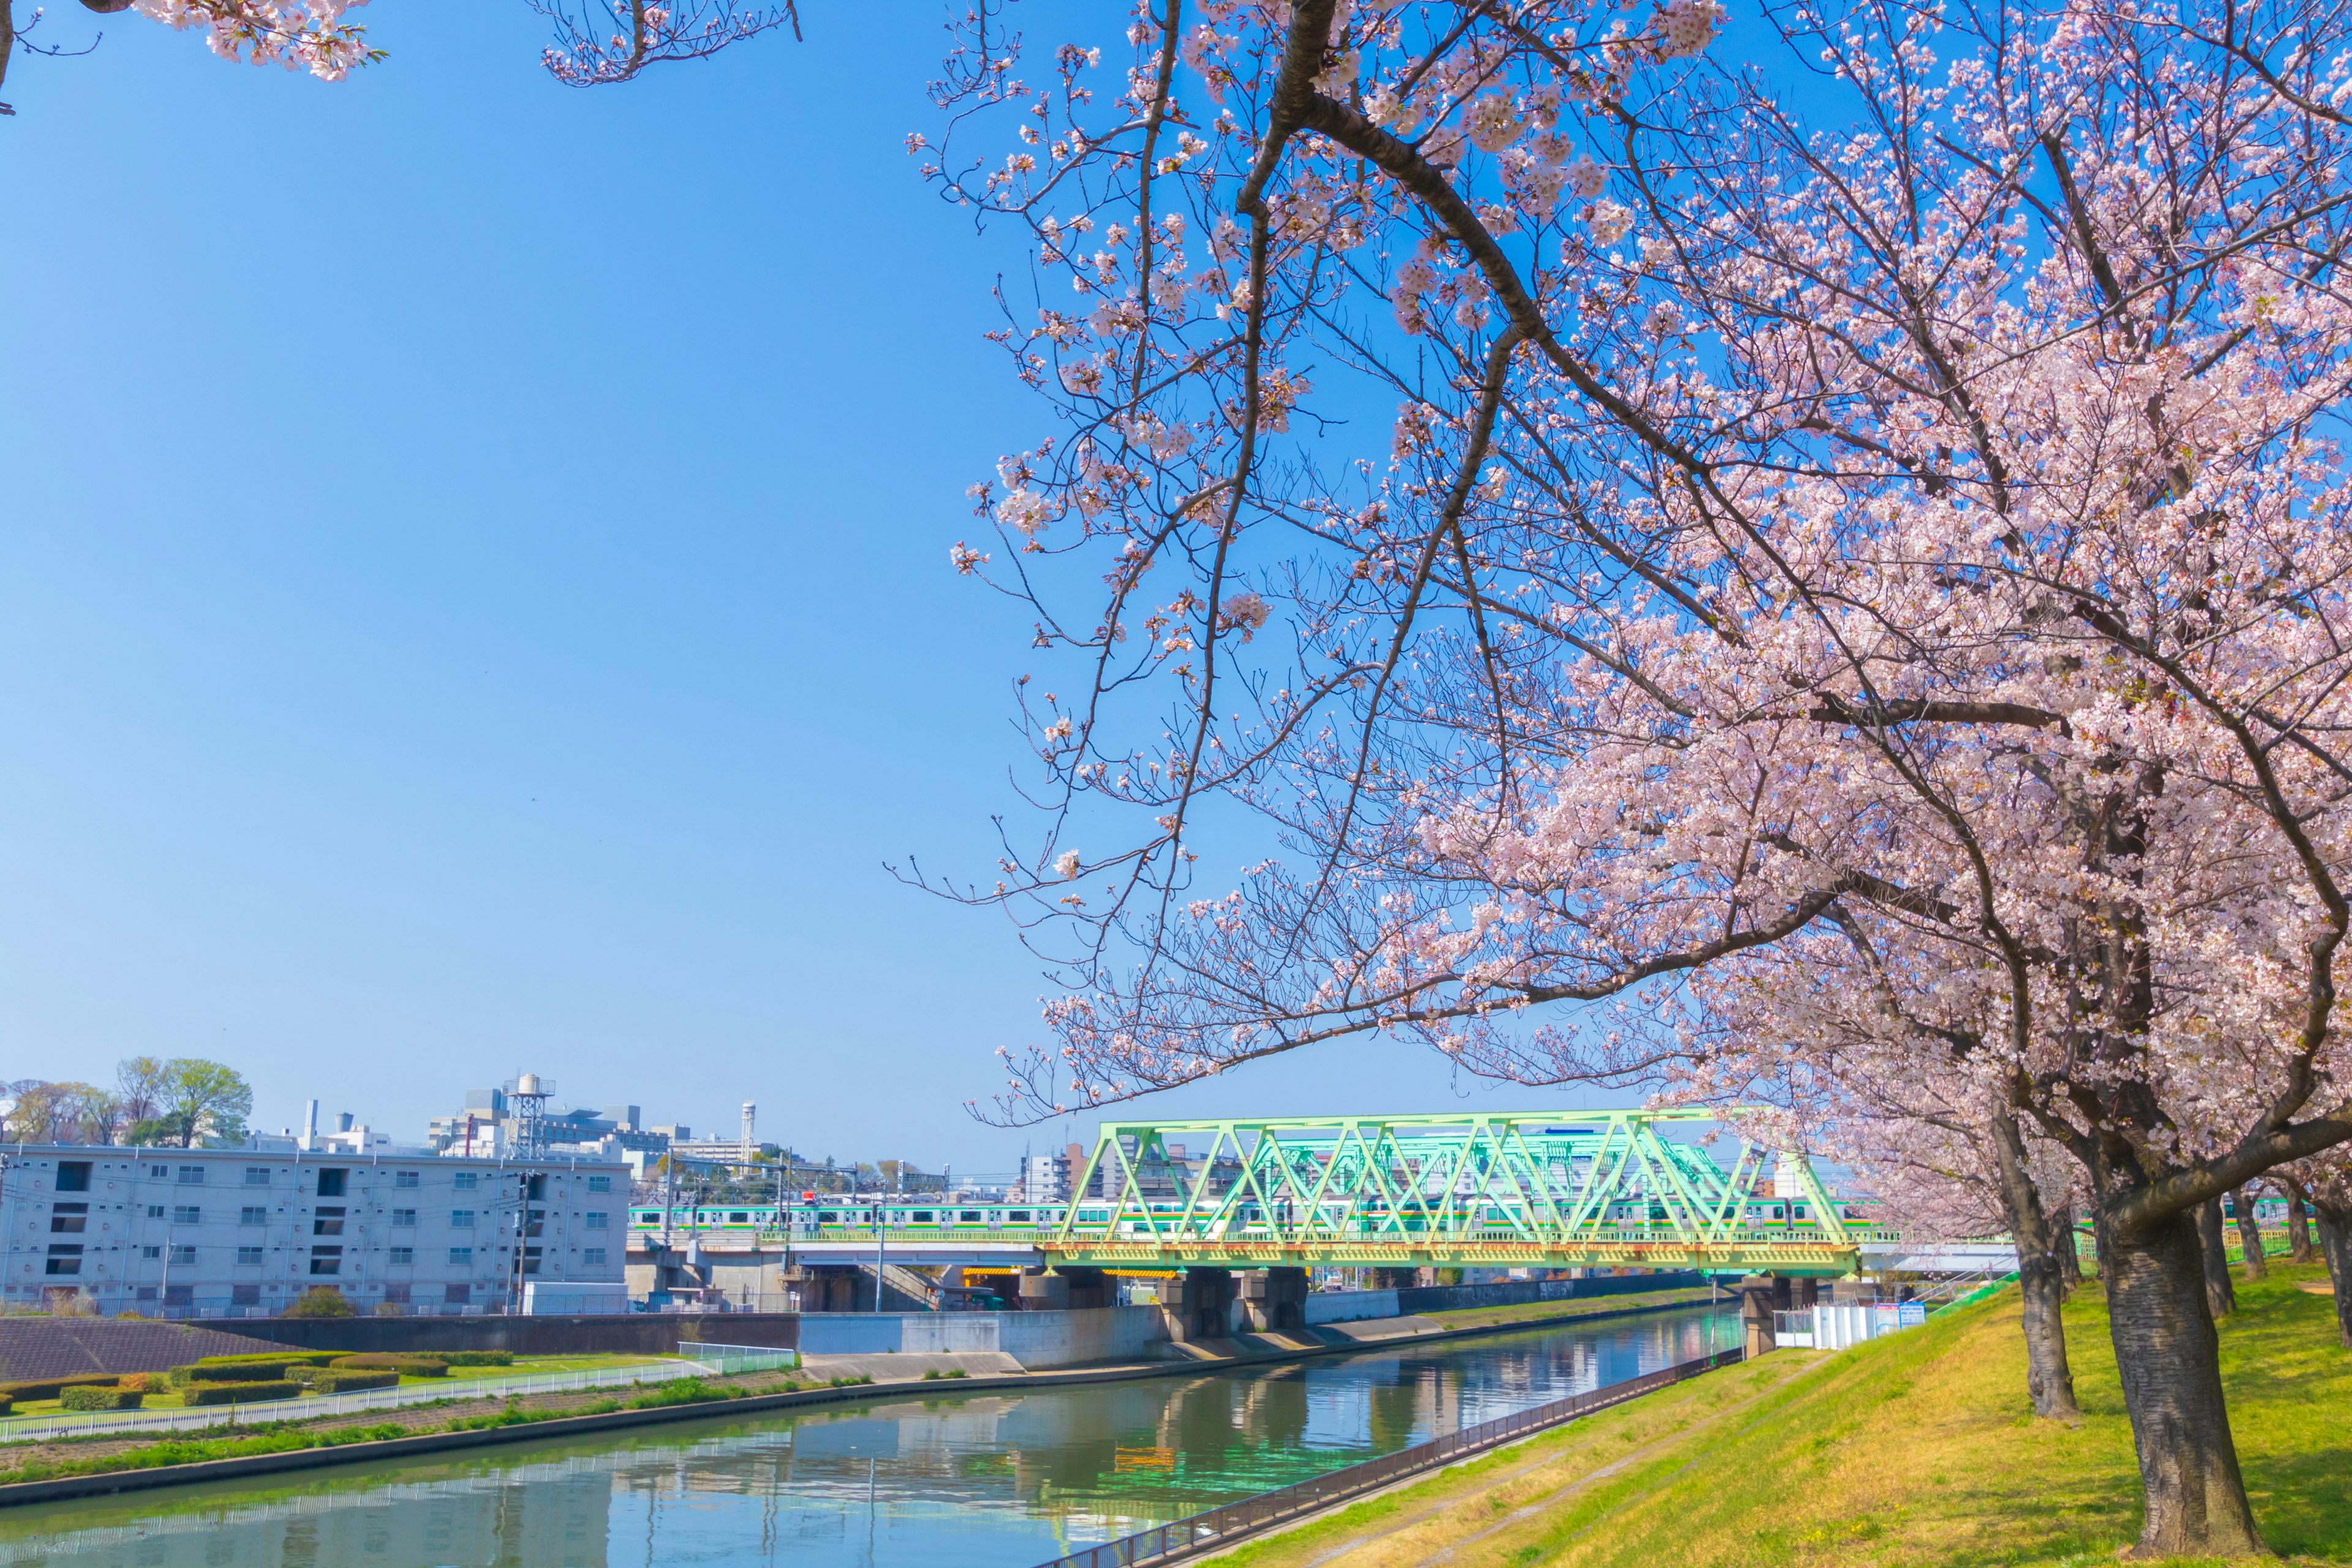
(1893, 522)
(597, 42)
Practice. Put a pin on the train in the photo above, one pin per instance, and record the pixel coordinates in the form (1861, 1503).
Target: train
(916, 1217)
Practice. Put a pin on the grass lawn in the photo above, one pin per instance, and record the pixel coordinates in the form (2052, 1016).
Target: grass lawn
(536, 1365)
(1916, 1449)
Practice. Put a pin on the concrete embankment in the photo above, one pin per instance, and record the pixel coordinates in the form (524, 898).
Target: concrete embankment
(894, 1374)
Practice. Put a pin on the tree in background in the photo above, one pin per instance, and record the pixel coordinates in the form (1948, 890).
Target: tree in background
(203, 1099)
(596, 41)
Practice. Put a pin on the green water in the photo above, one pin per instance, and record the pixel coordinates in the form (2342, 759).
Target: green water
(991, 1480)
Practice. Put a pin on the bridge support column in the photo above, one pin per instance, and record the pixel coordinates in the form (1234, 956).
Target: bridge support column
(1199, 1305)
(1087, 1288)
(831, 1289)
(1756, 1294)
(1808, 1295)
(1273, 1301)
(1784, 1293)
(1044, 1292)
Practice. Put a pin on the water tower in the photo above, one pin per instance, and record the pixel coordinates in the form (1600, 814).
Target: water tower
(527, 1099)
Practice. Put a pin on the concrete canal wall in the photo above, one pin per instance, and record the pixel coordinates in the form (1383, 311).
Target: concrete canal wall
(1355, 1306)
(1032, 1339)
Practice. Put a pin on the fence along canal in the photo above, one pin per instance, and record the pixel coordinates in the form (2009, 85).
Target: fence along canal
(1236, 1522)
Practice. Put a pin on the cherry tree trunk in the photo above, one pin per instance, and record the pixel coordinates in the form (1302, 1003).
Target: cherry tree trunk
(2298, 1224)
(2220, 1295)
(2049, 1380)
(2336, 1245)
(2250, 1236)
(2169, 1359)
(2070, 1259)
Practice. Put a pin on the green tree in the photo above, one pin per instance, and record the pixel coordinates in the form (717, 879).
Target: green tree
(203, 1099)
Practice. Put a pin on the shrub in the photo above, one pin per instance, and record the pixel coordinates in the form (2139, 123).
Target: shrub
(346, 1380)
(320, 1301)
(55, 1387)
(90, 1398)
(475, 1358)
(239, 1393)
(236, 1371)
(414, 1365)
(390, 1309)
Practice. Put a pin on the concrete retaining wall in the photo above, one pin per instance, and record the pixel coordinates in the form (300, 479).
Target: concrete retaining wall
(634, 1334)
(1034, 1339)
(1350, 1306)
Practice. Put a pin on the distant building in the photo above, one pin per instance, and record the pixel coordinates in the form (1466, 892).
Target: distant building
(243, 1232)
(1045, 1179)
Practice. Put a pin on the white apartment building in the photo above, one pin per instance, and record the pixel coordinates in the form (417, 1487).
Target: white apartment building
(233, 1233)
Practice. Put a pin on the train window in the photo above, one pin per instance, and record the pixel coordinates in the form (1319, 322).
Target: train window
(828, 1218)
(739, 1219)
(1018, 1216)
(924, 1216)
(968, 1216)
(1093, 1216)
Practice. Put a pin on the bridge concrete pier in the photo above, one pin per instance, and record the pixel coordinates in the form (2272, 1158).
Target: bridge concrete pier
(1757, 1294)
(1199, 1305)
(1065, 1289)
(1273, 1301)
(831, 1288)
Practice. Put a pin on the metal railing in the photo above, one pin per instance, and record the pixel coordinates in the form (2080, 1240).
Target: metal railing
(86, 1423)
(728, 1360)
(1221, 1527)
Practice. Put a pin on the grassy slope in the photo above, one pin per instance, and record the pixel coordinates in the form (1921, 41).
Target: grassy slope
(1915, 1449)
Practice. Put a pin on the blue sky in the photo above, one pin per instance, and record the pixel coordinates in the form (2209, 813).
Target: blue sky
(474, 589)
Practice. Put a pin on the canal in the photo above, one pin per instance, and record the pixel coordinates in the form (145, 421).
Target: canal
(984, 1480)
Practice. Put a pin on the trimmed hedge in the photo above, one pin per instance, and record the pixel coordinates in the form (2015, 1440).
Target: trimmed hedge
(55, 1387)
(344, 1380)
(476, 1358)
(6, 1404)
(236, 1371)
(283, 1358)
(238, 1392)
(89, 1398)
(412, 1365)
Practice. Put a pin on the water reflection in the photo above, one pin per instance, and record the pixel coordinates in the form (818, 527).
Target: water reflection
(986, 1480)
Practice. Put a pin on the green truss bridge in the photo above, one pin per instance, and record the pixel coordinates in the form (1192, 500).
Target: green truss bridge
(1588, 1188)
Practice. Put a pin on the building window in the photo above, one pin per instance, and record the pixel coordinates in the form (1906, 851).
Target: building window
(600, 1184)
(592, 1257)
(599, 1221)
(69, 1219)
(253, 1214)
(331, 1181)
(192, 1176)
(257, 1175)
(402, 1256)
(461, 1257)
(73, 1175)
(456, 1295)
(249, 1254)
(150, 1252)
(326, 1260)
(183, 1254)
(187, 1214)
(154, 1211)
(396, 1291)
(403, 1217)
(160, 1173)
(329, 1221)
(530, 1260)
(405, 1179)
(65, 1257)
(462, 1220)
(179, 1295)
(466, 1180)
(245, 1295)
(146, 1292)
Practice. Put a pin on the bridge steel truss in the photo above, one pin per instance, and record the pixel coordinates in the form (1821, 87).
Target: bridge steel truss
(1593, 1188)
